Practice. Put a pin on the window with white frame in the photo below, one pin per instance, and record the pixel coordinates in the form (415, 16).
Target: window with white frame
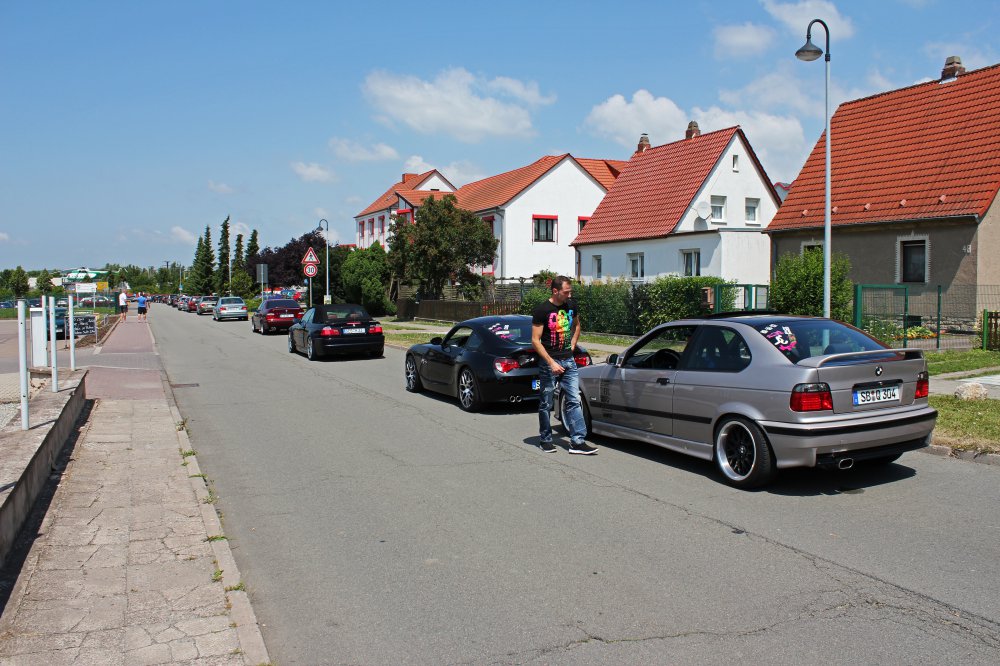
(598, 269)
(718, 209)
(912, 260)
(636, 262)
(692, 262)
(752, 206)
(736, 162)
(545, 229)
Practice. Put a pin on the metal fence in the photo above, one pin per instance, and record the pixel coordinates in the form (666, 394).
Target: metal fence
(928, 317)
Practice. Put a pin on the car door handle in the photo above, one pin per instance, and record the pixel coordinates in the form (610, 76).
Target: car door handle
(663, 381)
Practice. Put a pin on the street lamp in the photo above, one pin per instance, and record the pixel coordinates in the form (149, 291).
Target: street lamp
(808, 53)
(326, 241)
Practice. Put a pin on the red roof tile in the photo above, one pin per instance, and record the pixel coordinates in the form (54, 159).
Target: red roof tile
(497, 190)
(417, 197)
(604, 172)
(927, 151)
(655, 189)
(409, 182)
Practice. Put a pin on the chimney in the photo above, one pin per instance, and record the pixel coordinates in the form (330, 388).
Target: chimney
(408, 175)
(643, 143)
(692, 130)
(952, 68)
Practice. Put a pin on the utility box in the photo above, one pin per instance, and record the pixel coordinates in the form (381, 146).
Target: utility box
(39, 338)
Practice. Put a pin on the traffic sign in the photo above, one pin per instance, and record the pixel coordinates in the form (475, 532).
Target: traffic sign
(310, 270)
(310, 258)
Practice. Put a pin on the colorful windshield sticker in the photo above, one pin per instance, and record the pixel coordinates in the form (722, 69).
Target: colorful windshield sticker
(779, 336)
(503, 331)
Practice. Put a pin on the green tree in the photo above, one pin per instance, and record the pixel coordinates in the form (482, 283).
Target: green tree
(242, 284)
(200, 280)
(443, 244)
(44, 282)
(365, 274)
(18, 282)
(222, 275)
(239, 256)
(797, 285)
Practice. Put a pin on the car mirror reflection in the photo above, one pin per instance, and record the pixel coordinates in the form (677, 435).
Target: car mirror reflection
(612, 359)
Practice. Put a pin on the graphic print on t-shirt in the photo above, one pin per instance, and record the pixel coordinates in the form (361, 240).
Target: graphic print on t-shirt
(560, 324)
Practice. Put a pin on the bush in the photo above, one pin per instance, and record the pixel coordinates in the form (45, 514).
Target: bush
(797, 286)
(533, 298)
(607, 307)
(673, 297)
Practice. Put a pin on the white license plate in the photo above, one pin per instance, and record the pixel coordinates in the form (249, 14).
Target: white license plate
(870, 396)
(535, 384)
(355, 331)
(286, 316)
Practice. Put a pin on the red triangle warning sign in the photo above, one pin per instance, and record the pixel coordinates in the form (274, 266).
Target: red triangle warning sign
(310, 257)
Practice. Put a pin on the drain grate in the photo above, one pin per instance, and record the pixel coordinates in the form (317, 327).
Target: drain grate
(184, 385)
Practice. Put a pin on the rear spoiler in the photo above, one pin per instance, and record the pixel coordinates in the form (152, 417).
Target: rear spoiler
(819, 361)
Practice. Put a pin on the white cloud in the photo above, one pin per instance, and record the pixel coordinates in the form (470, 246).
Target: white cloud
(737, 41)
(797, 15)
(219, 188)
(454, 104)
(458, 172)
(779, 141)
(623, 121)
(4, 237)
(973, 57)
(237, 228)
(181, 235)
(313, 173)
(352, 151)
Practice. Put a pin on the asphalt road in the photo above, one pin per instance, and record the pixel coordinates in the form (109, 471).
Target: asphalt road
(376, 526)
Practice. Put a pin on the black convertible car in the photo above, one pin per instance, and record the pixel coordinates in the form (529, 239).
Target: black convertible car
(486, 359)
(341, 328)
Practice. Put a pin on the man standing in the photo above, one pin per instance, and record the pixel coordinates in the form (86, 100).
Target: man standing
(122, 305)
(555, 329)
(141, 304)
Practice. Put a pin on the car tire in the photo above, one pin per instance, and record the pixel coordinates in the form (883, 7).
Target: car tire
(413, 383)
(583, 408)
(468, 391)
(743, 454)
(263, 328)
(253, 326)
(291, 343)
(310, 350)
(378, 353)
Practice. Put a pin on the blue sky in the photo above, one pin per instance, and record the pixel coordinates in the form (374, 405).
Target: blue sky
(127, 127)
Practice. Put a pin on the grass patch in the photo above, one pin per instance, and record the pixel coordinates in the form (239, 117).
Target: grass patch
(197, 476)
(606, 339)
(959, 360)
(212, 497)
(188, 453)
(217, 537)
(409, 338)
(240, 587)
(968, 425)
(217, 575)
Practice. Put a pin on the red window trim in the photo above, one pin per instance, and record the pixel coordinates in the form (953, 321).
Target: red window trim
(407, 213)
(555, 227)
(579, 219)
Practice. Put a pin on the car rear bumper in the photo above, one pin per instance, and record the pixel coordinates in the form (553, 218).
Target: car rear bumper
(810, 445)
(510, 389)
(280, 323)
(329, 347)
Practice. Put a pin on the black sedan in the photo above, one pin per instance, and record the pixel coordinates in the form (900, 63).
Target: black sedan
(486, 359)
(342, 328)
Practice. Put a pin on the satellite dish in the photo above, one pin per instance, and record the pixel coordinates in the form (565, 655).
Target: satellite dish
(703, 208)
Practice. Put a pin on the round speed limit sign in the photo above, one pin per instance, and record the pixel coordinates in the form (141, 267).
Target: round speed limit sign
(310, 270)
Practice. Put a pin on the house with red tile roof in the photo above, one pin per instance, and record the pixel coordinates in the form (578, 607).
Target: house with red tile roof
(691, 207)
(373, 222)
(537, 210)
(915, 175)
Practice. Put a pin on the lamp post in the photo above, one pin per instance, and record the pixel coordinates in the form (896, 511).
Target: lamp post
(326, 241)
(808, 53)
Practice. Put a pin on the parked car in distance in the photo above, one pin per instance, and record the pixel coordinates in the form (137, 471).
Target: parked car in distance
(230, 307)
(341, 328)
(192, 303)
(206, 304)
(7, 304)
(95, 301)
(481, 360)
(275, 314)
(758, 392)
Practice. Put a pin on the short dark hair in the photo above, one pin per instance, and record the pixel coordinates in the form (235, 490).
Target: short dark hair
(558, 282)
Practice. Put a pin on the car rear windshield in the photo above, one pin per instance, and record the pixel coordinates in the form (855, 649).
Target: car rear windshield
(230, 301)
(347, 312)
(282, 303)
(801, 338)
(209, 299)
(517, 332)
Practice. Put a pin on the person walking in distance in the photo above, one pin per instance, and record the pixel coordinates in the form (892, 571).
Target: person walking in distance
(555, 329)
(141, 303)
(122, 305)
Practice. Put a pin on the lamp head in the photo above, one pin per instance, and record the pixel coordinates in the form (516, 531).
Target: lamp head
(809, 51)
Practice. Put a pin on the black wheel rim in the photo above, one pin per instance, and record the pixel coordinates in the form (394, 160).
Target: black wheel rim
(739, 451)
(411, 374)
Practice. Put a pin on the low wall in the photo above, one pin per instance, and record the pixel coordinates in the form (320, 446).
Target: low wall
(28, 455)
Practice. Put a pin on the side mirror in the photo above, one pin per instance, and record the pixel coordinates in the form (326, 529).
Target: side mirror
(437, 340)
(612, 359)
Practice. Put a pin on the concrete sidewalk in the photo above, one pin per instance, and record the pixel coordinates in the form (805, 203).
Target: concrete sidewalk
(123, 570)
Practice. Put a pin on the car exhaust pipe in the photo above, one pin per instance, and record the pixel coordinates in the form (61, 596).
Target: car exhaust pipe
(845, 463)
(514, 398)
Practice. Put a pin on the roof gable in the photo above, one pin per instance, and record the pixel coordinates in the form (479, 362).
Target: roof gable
(495, 191)
(410, 181)
(655, 189)
(927, 151)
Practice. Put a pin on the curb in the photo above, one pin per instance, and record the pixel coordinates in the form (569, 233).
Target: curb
(968, 456)
(241, 611)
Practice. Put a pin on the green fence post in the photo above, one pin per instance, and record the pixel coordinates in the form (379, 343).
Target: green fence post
(986, 334)
(906, 315)
(857, 306)
(938, 345)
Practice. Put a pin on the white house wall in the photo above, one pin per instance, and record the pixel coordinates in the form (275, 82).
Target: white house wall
(568, 192)
(435, 182)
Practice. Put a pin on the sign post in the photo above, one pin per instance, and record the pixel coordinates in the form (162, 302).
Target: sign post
(309, 268)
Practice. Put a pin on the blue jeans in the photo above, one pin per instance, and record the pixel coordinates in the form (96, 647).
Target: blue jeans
(569, 383)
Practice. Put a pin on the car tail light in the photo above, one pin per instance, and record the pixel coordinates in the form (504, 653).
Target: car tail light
(298, 315)
(327, 332)
(377, 328)
(582, 360)
(506, 364)
(243, 309)
(923, 385)
(811, 398)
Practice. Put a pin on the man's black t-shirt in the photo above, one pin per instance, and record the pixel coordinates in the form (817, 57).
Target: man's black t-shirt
(557, 327)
